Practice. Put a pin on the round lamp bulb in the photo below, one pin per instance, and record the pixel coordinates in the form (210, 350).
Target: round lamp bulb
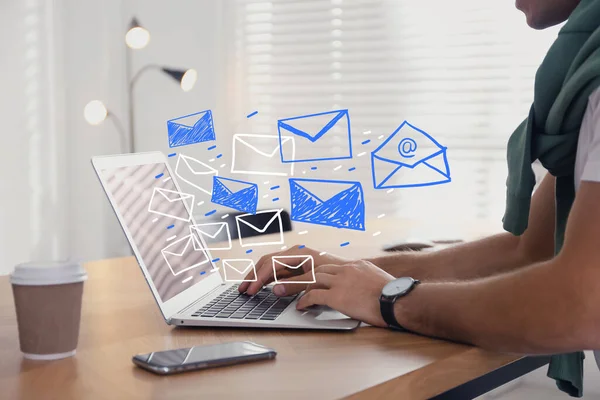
(137, 38)
(188, 80)
(95, 112)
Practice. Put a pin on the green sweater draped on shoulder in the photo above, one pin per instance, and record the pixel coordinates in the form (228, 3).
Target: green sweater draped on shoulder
(568, 75)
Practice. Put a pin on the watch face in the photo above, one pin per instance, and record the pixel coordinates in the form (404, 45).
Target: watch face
(397, 287)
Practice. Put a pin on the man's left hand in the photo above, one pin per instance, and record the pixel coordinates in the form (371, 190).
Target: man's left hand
(352, 289)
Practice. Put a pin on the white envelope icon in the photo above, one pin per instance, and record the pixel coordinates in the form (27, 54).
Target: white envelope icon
(195, 173)
(214, 232)
(260, 155)
(172, 204)
(250, 234)
(181, 255)
(294, 263)
(236, 270)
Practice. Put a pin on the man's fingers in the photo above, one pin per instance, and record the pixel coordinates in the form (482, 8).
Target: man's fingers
(262, 277)
(331, 269)
(257, 285)
(264, 269)
(322, 281)
(264, 274)
(243, 286)
(288, 288)
(314, 297)
(296, 284)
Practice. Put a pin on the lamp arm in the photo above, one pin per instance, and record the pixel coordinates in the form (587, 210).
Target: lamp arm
(130, 85)
(121, 129)
(140, 72)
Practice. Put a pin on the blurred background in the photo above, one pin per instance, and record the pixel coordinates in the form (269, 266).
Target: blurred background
(461, 70)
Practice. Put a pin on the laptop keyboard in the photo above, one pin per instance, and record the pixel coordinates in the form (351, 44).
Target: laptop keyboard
(231, 304)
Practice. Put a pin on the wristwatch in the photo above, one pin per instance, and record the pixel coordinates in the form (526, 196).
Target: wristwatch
(391, 292)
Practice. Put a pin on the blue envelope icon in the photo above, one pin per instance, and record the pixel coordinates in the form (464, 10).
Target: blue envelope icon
(317, 137)
(339, 204)
(409, 158)
(190, 129)
(239, 195)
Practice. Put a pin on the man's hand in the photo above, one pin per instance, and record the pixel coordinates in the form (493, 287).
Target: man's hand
(264, 271)
(352, 289)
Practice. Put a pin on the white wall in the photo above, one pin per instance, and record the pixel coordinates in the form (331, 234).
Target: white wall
(32, 167)
(55, 57)
(93, 66)
(182, 35)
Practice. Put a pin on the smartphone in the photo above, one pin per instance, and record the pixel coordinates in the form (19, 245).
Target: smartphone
(202, 357)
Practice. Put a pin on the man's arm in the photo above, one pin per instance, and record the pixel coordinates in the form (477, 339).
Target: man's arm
(485, 257)
(549, 307)
(492, 255)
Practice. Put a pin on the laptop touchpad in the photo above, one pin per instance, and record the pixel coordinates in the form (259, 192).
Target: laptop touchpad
(329, 314)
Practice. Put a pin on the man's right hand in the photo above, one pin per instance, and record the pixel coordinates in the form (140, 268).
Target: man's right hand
(264, 270)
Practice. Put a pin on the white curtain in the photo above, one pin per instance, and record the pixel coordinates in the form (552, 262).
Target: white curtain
(32, 165)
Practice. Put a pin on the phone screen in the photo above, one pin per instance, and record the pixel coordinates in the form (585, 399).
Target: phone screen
(204, 354)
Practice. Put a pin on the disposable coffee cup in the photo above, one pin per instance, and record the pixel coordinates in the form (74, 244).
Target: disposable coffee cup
(48, 304)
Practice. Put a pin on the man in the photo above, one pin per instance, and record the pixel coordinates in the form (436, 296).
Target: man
(532, 293)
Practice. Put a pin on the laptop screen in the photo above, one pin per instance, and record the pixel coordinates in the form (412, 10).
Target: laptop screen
(158, 218)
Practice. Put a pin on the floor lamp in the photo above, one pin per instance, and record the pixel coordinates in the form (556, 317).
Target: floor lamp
(95, 112)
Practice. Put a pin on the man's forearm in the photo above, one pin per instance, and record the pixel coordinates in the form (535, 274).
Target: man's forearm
(544, 308)
(486, 257)
(481, 258)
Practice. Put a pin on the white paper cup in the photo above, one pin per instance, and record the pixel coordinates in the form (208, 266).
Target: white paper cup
(48, 305)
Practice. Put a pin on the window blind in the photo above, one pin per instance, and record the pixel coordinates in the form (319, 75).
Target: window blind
(462, 71)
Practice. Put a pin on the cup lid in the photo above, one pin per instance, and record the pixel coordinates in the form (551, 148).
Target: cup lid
(48, 273)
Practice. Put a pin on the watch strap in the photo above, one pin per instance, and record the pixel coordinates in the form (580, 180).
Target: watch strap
(386, 305)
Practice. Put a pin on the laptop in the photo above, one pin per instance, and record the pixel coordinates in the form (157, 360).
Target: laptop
(184, 278)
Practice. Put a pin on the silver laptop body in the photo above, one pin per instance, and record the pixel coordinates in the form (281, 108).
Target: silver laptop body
(198, 295)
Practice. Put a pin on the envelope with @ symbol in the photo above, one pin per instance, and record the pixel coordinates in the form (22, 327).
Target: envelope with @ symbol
(236, 270)
(212, 236)
(259, 155)
(172, 204)
(409, 157)
(295, 264)
(183, 255)
(195, 173)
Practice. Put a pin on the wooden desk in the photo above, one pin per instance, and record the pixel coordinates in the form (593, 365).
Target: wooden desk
(120, 319)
